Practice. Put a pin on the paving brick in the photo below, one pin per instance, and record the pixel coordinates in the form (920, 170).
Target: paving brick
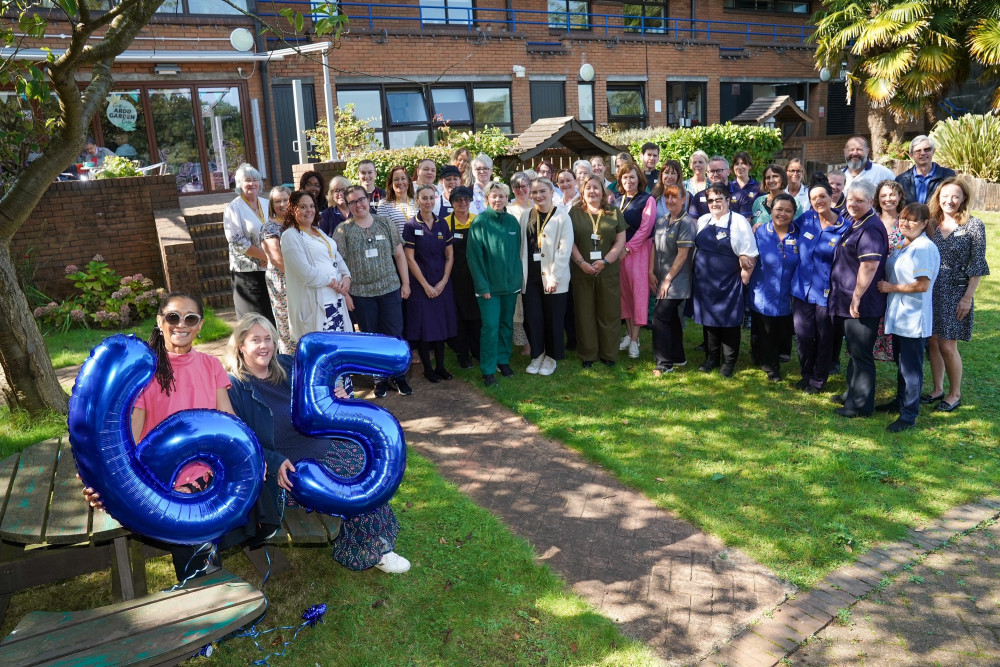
(851, 586)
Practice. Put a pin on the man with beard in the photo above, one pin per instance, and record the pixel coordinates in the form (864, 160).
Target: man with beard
(860, 168)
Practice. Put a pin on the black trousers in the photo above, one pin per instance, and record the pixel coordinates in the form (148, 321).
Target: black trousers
(381, 314)
(250, 294)
(814, 331)
(466, 341)
(773, 335)
(544, 318)
(860, 335)
(668, 332)
(722, 345)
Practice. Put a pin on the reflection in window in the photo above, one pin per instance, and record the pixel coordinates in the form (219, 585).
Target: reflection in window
(173, 117)
(223, 130)
(780, 6)
(569, 15)
(123, 125)
(408, 139)
(452, 104)
(447, 12)
(203, 7)
(585, 113)
(685, 104)
(626, 107)
(367, 105)
(645, 17)
(492, 107)
(406, 106)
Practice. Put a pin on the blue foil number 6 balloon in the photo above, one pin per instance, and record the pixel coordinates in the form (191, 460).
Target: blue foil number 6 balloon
(321, 358)
(136, 482)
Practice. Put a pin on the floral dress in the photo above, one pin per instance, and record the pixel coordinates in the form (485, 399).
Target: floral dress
(276, 289)
(883, 342)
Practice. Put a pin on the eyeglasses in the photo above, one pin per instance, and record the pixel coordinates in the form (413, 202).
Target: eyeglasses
(337, 191)
(716, 200)
(359, 200)
(190, 320)
(716, 171)
(521, 186)
(928, 149)
(794, 171)
(482, 169)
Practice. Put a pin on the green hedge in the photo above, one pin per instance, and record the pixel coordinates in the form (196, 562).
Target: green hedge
(762, 143)
(490, 141)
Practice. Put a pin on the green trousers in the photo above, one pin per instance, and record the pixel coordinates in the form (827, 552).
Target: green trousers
(498, 330)
(597, 302)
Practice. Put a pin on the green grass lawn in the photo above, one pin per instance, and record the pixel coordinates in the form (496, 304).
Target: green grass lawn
(474, 596)
(19, 430)
(770, 470)
(73, 347)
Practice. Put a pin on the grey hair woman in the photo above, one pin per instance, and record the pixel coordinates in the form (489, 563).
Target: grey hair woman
(243, 220)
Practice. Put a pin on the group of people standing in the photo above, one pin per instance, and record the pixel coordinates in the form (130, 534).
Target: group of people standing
(573, 260)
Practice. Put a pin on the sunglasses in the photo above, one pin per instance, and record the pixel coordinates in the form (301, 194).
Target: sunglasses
(716, 201)
(190, 320)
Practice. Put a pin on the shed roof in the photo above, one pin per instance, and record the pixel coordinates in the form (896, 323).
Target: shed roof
(782, 109)
(560, 131)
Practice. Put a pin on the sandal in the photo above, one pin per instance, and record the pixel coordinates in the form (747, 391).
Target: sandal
(927, 399)
(948, 407)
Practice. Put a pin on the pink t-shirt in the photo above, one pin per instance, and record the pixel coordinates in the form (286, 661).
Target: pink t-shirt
(197, 377)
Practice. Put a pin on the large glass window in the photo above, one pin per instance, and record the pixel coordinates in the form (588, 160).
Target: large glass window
(569, 15)
(446, 12)
(223, 131)
(123, 124)
(406, 106)
(626, 107)
(781, 6)
(451, 105)
(685, 104)
(648, 16)
(585, 107)
(173, 117)
(492, 106)
(203, 7)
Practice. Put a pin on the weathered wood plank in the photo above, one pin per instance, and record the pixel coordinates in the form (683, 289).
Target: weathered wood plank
(150, 630)
(304, 527)
(69, 514)
(270, 563)
(7, 469)
(103, 526)
(24, 518)
(44, 566)
(332, 524)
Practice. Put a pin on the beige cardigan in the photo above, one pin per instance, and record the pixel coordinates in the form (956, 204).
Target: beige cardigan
(557, 249)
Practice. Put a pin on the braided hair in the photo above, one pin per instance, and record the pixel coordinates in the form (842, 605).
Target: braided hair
(164, 371)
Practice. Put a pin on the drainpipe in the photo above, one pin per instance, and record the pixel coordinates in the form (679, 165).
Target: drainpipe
(265, 77)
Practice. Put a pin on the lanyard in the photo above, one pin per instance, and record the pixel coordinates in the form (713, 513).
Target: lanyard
(595, 223)
(625, 202)
(258, 211)
(540, 225)
(322, 237)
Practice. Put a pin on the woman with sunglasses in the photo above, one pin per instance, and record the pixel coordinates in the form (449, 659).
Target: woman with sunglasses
(372, 247)
(317, 279)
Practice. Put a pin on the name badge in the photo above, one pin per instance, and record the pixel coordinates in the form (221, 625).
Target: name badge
(537, 257)
(789, 241)
(379, 237)
(833, 242)
(720, 235)
(808, 235)
(701, 199)
(596, 237)
(959, 232)
(440, 235)
(595, 255)
(511, 233)
(418, 232)
(826, 293)
(458, 235)
(371, 252)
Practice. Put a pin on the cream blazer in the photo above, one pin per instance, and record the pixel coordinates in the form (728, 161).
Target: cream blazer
(557, 249)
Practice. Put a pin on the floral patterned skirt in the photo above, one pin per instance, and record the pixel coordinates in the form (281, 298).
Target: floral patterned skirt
(279, 306)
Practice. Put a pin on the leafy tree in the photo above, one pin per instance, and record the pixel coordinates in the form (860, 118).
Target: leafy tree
(36, 146)
(906, 54)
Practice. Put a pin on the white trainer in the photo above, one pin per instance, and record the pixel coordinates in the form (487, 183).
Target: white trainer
(548, 366)
(626, 340)
(633, 349)
(536, 364)
(393, 563)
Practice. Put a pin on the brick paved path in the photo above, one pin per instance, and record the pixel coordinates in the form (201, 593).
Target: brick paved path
(662, 581)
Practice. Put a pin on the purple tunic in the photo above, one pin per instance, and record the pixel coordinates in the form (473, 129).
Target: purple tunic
(429, 319)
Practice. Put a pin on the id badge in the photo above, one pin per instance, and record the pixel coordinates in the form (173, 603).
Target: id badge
(720, 235)
(418, 232)
(379, 237)
(537, 257)
(596, 237)
(458, 235)
(808, 235)
(595, 255)
(371, 252)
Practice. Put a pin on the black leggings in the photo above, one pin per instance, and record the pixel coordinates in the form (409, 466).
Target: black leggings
(424, 348)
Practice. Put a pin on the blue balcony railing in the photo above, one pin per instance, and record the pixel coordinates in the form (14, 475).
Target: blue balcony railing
(374, 16)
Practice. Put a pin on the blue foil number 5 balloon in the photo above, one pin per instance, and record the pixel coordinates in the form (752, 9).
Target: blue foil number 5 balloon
(321, 358)
(136, 482)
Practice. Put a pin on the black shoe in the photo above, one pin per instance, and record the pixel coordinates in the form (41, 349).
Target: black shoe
(898, 425)
(402, 386)
(443, 374)
(465, 363)
(607, 363)
(588, 364)
(726, 371)
(927, 399)
(891, 406)
(812, 390)
(708, 366)
(490, 380)
(851, 413)
(699, 348)
(432, 377)
(802, 384)
(774, 376)
(381, 388)
(506, 370)
(948, 407)
(839, 399)
(784, 358)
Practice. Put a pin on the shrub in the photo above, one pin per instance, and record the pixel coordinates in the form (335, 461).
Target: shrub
(491, 141)
(118, 167)
(625, 138)
(969, 144)
(104, 298)
(352, 135)
(762, 143)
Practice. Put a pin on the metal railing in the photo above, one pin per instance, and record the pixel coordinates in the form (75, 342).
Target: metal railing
(375, 16)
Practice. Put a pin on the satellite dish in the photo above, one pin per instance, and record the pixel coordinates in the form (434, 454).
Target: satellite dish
(241, 39)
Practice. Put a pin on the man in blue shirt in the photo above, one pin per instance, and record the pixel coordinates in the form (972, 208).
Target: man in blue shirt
(859, 167)
(921, 180)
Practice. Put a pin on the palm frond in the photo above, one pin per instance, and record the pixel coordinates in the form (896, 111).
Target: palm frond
(892, 64)
(879, 91)
(984, 41)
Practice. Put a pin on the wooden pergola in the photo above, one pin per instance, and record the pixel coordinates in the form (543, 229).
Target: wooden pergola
(564, 132)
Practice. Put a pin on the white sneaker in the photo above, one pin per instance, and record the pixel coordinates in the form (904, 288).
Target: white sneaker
(633, 349)
(548, 366)
(535, 365)
(626, 341)
(393, 563)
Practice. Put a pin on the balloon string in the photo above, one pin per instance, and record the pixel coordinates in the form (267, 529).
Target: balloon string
(208, 561)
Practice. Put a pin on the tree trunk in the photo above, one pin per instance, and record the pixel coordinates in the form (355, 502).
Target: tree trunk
(23, 354)
(877, 125)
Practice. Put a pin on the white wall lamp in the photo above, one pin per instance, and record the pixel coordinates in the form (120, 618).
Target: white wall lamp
(519, 71)
(586, 72)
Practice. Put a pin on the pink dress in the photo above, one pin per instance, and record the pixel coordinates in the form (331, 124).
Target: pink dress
(640, 215)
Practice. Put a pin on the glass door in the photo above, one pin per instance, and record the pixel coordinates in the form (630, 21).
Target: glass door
(222, 127)
(123, 126)
(172, 113)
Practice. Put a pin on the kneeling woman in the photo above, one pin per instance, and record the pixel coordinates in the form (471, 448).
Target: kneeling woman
(910, 274)
(260, 394)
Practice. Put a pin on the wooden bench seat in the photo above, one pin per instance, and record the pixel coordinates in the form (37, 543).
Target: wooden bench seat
(159, 629)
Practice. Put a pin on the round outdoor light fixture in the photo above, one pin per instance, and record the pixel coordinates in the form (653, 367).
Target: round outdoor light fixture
(824, 74)
(241, 39)
(587, 72)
